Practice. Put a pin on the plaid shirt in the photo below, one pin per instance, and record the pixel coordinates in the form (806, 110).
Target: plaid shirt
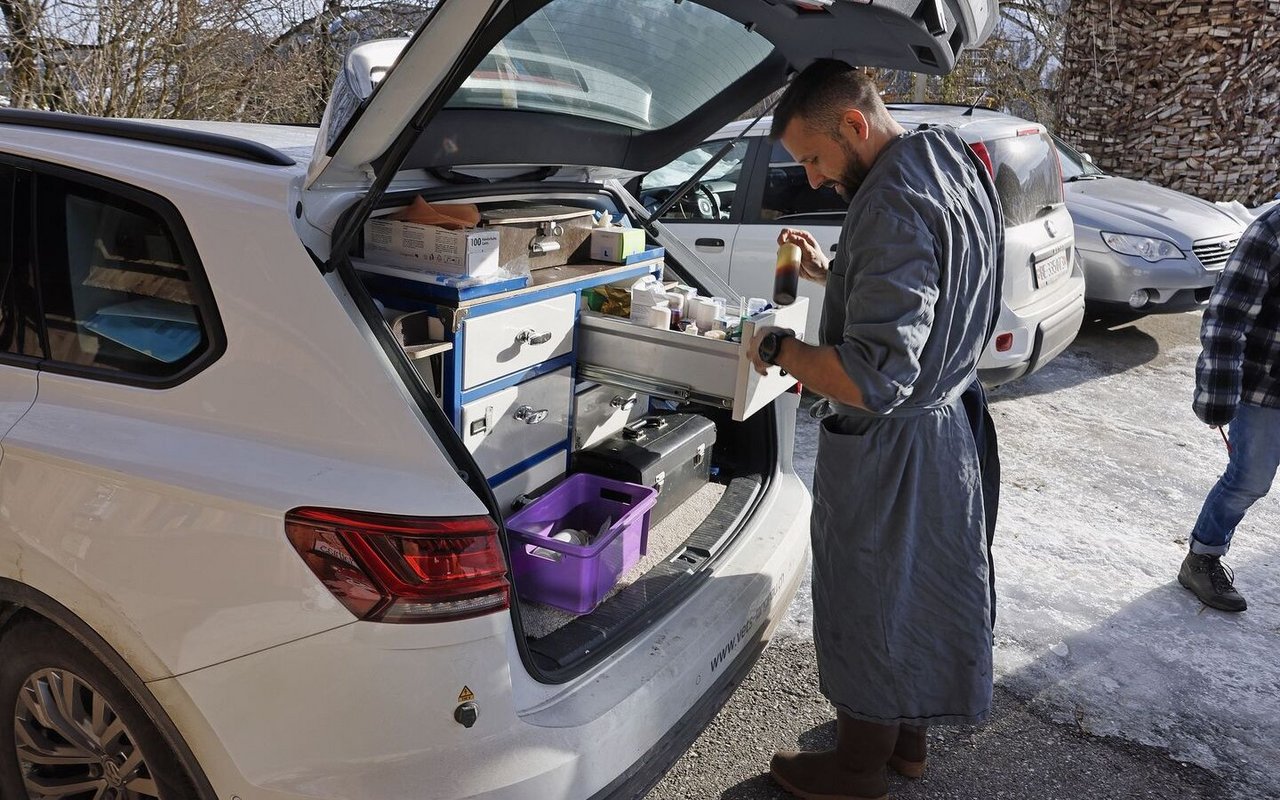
(1241, 329)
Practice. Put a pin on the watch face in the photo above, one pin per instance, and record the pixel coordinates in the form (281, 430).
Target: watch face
(769, 348)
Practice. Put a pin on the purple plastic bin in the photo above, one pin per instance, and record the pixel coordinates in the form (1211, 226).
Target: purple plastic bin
(576, 577)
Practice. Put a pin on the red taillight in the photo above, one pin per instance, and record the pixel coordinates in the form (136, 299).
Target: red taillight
(1028, 131)
(403, 569)
(1004, 342)
(985, 157)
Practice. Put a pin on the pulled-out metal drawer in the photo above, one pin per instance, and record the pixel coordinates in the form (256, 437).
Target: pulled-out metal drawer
(683, 367)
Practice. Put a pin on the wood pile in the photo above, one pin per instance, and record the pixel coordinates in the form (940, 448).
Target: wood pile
(1183, 93)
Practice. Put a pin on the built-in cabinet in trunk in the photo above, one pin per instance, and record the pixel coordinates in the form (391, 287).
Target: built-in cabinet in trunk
(528, 375)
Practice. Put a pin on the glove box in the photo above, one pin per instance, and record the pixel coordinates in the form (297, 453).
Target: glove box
(669, 452)
(680, 366)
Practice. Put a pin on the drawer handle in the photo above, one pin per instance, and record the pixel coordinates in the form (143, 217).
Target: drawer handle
(624, 403)
(528, 416)
(530, 336)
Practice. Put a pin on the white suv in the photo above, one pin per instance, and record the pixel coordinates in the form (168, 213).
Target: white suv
(733, 217)
(254, 541)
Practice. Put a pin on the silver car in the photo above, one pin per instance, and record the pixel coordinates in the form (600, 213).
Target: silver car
(1143, 247)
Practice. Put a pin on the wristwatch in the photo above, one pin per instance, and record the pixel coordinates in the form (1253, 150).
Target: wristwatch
(771, 345)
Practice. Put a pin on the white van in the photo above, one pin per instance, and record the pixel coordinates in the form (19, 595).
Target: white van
(257, 484)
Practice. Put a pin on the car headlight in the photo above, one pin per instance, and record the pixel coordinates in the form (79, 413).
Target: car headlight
(1148, 248)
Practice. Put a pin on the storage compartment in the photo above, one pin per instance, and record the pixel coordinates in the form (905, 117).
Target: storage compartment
(575, 577)
(671, 453)
(509, 492)
(683, 367)
(509, 426)
(508, 341)
(600, 411)
(533, 237)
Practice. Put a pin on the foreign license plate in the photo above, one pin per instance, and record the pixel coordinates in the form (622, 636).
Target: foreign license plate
(1053, 268)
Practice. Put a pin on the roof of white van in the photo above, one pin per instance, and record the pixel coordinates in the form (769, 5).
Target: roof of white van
(978, 125)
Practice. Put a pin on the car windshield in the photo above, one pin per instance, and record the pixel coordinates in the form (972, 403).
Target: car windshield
(1074, 164)
(646, 67)
(679, 171)
(1026, 175)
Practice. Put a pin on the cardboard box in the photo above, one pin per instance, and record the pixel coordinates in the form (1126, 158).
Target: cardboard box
(466, 253)
(616, 244)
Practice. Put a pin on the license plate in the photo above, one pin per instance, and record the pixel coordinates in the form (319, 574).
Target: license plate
(1051, 269)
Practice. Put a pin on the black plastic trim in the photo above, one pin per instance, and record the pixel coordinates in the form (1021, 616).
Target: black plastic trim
(202, 141)
(20, 596)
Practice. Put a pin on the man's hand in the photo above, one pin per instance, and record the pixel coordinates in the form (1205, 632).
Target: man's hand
(813, 262)
(753, 351)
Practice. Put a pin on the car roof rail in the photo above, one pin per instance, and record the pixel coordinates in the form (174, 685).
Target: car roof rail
(203, 141)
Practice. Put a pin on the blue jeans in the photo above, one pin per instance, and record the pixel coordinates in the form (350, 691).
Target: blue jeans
(1255, 454)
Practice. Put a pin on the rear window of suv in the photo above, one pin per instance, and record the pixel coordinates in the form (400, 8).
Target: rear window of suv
(1027, 176)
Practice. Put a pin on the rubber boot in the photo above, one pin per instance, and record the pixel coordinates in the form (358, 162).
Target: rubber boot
(854, 770)
(910, 751)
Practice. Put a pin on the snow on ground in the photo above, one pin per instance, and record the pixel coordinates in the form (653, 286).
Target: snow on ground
(1104, 471)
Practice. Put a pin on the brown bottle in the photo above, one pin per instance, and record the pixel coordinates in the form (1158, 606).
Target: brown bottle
(786, 275)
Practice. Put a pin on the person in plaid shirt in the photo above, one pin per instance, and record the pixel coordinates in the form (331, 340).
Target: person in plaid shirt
(1238, 385)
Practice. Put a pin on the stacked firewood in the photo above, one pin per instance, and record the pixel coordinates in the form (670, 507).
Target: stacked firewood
(1183, 93)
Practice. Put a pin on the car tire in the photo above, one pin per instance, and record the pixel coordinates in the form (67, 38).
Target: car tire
(73, 710)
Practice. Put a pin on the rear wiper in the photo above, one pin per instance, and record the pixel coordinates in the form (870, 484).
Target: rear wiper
(1075, 178)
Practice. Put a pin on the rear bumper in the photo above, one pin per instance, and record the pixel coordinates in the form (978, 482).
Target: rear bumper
(367, 710)
(1040, 333)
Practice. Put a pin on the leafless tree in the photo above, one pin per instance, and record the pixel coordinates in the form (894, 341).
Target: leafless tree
(255, 60)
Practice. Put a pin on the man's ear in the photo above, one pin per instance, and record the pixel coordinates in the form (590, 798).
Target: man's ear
(855, 122)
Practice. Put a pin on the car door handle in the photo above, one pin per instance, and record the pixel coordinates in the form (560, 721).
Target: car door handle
(709, 243)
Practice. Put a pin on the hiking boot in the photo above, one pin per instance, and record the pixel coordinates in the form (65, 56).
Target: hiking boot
(1212, 581)
(909, 753)
(854, 770)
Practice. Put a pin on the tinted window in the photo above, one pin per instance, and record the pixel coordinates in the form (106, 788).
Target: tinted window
(115, 291)
(646, 66)
(787, 193)
(19, 324)
(714, 200)
(1026, 176)
(1073, 163)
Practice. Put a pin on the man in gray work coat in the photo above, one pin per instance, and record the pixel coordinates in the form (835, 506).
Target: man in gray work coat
(901, 603)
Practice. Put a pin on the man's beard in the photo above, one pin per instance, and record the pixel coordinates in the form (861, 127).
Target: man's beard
(855, 172)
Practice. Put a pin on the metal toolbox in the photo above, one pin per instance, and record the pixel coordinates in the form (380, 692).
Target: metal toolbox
(532, 237)
(668, 452)
(683, 367)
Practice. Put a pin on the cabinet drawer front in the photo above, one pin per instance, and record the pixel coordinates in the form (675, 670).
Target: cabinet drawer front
(684, 367)
(518, 338)
(601, 411)
(507, 427)
(541, 473)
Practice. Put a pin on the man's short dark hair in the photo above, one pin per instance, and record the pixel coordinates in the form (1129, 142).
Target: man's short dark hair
(822, 92)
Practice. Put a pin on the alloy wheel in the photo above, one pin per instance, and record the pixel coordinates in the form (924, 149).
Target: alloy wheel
(72, 745)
